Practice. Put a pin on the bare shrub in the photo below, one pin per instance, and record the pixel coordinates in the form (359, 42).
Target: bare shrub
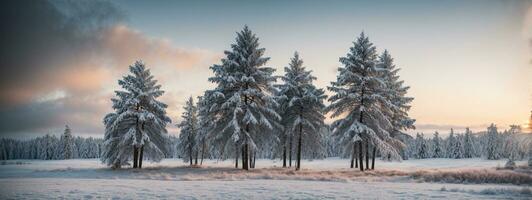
(475, 176)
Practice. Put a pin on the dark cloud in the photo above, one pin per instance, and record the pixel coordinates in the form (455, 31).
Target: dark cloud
(40, 39)
(43, 44)
(59, 59)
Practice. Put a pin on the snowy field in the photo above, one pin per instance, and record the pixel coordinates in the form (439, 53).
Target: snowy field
(319, 179)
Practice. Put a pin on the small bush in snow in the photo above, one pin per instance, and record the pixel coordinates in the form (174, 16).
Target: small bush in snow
(510, 164)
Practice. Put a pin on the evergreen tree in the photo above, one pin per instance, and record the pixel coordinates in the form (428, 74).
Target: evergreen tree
(437, 146)
(189, 126)
(303, 106)
(204, 124)
(242, 105)
(457, 148)
(450, 144)
(67, 144)
(422, 148)
(468, 144)
(396, 94)
(138, 123)
(492, 146)
(359, 97)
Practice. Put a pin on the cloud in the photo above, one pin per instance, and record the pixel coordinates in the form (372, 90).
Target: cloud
(124, 45)
(445, 129)
(60, 61)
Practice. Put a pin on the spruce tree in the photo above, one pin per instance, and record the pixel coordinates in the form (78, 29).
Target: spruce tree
(137, 127)
(204, 127)
(359, 98)
(468, 144)
(422, 148)
(189, 126)
(437, 146)
(492, 146)
(457, 148)
(396, 93)
(450, 144)
(242, 102)
(303, 106)
(67, 144)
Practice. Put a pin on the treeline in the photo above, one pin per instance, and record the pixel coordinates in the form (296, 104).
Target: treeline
(509, 144)
(50, 147)
(492, 144)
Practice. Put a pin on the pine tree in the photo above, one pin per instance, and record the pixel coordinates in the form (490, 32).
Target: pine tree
(422, 148)
(395, 93)
(242, 102)
(67, 144)
(492, 146)
(204, 127)
(359, 97)
(450, 144)
(457, 148)
(189, 126)
(303, 105)
(437, 146)
(468, 144)
(137, 127)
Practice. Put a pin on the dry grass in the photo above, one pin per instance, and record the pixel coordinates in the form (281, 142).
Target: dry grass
(475, 176)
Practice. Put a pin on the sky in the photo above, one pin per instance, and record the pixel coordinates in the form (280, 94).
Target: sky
(468, 63)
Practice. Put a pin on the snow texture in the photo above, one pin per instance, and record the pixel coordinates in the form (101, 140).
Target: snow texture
(173, 179)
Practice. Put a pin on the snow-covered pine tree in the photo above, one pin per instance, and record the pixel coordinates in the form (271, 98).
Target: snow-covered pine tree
(137, 127)
(242, 104)
(396, 93)
(492, 145)
(189, 126)
(469, 150)
(457, 149)
(204, 126)
(450, 143)
(67, 144)
(359, 98)
(437, 146)
(284, 134)
(303, 106)
(422, 147)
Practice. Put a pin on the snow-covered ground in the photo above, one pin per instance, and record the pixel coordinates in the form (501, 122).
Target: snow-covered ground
(171, 179)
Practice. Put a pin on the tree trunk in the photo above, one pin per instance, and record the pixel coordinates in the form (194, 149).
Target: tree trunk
(360, 119)
(252, 165)
(250, 158)
(373, 157)
(246, 156)
(243, 158)
(135, 157)
(360, 156)
(367, 155)
(202, 152)
(284, 155)
(196, 159)
(290, 151)
(190, 154)
(356, 157)
(141, 156)
(236, 157)
(353, 156)
(299, 147)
